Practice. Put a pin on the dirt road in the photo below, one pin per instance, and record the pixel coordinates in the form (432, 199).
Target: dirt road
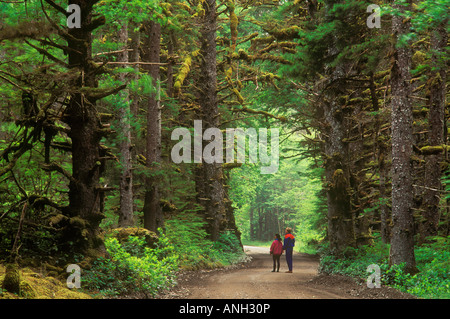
(254, 280)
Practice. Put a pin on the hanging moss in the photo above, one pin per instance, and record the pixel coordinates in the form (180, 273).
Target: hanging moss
(200, 11)
(239, 96)
(229, 73)
(259, 41)
(419, 57)
(242, 55)
(233, 29)
(184, 70)
(286, 33)
(181, 76)
(430, 150)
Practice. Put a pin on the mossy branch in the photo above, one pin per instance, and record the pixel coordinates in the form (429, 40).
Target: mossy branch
(433, 150)
(57, 168)
(248, 110)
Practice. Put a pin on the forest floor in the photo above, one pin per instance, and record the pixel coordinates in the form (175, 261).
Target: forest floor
(255, 280)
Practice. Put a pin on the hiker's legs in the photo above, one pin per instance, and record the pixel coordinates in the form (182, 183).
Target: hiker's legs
(289, 259)
(276, 262)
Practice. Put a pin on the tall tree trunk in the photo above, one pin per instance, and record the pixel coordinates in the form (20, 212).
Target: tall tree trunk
(211, 173)
(433, 169)
(381, 150)
(134, 57)
(402, 241)
(153, 216)
(126, 177)
(384, 210)
(81, 116)
(340, 217)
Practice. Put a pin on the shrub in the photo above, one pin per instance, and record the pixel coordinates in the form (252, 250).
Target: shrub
(187, 233)
(133, 268)
(433, 263)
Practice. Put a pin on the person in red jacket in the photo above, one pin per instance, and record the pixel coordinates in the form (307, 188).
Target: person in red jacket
(276, 250)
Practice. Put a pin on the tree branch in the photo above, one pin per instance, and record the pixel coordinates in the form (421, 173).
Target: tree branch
(57, 168)
(51, 57)
(57, 7)
(101, 95)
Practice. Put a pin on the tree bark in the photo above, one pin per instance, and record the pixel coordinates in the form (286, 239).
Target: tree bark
(126, 177)
(134, 58)
(81, 115)
(381, 150)
(436, 118)
(211, 173)
(153, 215)
(402, 241)
(340, 217)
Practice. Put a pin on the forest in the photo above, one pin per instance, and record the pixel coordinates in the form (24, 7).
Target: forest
(120, 152)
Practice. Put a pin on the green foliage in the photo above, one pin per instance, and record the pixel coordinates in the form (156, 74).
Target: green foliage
(446, 183)
(433, 263)
(196, 251)
(291, 196)
(133, 268)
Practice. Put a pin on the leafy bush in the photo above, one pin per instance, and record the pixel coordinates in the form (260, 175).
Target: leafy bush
(433, 278)
(433, 263)
(227, 249)
(133, 268)
(187, 233)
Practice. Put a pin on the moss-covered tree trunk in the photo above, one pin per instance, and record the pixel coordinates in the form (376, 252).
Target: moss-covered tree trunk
(210, 174)
(436, 120)
(11, 281)
(126, 175)
(340, 219)
(337, 171)
(402, 241)
(153, 216)
(85, 133)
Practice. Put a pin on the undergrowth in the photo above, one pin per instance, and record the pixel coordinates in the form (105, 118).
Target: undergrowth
(433, 262)
(132, 268)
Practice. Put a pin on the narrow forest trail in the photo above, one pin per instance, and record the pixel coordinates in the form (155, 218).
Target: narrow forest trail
(254, 280)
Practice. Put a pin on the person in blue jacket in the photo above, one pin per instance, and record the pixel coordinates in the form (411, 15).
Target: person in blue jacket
(288, 246)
